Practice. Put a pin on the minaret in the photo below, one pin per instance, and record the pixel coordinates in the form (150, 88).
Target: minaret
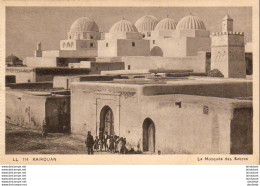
(228, 51)
(39, 46)
(227, 24)
(38, 51)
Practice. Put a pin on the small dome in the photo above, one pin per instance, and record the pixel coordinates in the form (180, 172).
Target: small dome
(191, 22)
(166, 24)
(12, 58)
(84, 24)
(123, 26)
(146, 23)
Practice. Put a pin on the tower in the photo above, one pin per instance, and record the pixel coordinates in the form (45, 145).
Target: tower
(38, 51)
(228, 51)
(227, 24)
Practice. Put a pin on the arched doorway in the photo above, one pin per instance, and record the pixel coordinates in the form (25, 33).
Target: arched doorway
(156, 51)
(106, 121)
(148, 135)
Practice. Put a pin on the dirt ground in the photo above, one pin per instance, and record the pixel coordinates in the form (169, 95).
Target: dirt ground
(27, 141)
(21, 140)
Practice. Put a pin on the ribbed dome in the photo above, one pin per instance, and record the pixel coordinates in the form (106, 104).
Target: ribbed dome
(12, 58)
(191, 22)
(166, 24)
(146, 23)
(123, 26)
(84, 24)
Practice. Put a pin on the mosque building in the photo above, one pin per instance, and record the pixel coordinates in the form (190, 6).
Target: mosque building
(182, 39)
(147, 44)
(80, 49)
(146, 25)
(158, 45)
(150, 82)
(123, 39)
(81, 45)
(164, 29)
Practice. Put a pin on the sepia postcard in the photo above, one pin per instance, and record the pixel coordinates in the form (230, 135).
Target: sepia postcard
(109, 82)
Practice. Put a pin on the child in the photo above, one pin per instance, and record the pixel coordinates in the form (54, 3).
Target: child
(96, 144)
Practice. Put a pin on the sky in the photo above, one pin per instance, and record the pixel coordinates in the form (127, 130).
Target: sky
(26, 26)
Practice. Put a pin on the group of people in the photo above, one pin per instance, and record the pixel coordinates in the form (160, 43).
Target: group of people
(106, 143)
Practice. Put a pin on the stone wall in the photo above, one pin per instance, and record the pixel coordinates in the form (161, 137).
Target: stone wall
(31, 111)
(38, 85)
(25, 110)
(213, 89)
(176, 130)
(40, 61)
(195, 63)
(242, 131)
(22, 74)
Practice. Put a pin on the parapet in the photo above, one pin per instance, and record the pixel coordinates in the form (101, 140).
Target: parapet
(226, 33)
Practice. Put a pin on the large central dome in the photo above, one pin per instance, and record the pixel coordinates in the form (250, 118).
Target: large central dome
(166, 24)
(146, 23)
(191, 22)
(84, 24)
(123, 26)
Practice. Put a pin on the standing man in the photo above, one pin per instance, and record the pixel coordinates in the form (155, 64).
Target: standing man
(105, 141)
(44, 129)
(89, 143)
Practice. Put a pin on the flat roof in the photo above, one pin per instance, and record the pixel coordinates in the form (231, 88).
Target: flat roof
(209, 87)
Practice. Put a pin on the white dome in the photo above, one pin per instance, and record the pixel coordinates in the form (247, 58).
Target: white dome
(84, 24)
(146, 23)
(191, 22)
(166, 24)
(123, 26)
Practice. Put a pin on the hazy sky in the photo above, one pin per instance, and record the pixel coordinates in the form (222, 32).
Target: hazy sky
(25, 27)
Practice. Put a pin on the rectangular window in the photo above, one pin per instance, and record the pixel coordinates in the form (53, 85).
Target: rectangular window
(129, 67)
(153, 41)
(91, 45)
(91, 37)
(133, 44)
(205, 110)
(106, 44)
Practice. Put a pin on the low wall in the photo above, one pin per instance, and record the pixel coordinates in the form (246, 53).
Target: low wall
(41, 61)
(196, 63)
(25, 110)
(22, 74)
(32, 111)
(40, 85)
(65, 81)
(214, 89)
